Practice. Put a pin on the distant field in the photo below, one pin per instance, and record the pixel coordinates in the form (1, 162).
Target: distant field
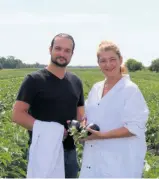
(13, 139)
(14, 73)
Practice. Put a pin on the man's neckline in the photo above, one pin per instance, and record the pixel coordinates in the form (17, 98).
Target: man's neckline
(56, 75)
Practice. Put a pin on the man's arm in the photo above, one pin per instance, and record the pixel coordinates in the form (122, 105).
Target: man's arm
(23, 102)
(20, 115)
(80, 107)
(80, 113)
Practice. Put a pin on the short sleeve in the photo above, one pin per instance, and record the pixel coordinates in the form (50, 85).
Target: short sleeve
(136, 114)
(27, 90)
(81, 98)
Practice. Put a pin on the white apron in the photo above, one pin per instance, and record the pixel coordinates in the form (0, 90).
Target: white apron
(123, 105)
(46, 156)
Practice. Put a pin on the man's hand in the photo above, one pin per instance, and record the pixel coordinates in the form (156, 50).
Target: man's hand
(65, 133)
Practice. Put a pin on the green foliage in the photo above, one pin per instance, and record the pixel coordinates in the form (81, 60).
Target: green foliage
(77, 136)
(154, 65)
(13, 139)
(151, 166)
(133, 65)
(12, 63)
(1, 67)
(14, 73)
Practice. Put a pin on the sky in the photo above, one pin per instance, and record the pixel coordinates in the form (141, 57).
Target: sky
(27, 28)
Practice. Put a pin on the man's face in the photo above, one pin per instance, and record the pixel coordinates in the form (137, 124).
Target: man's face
(61, 52)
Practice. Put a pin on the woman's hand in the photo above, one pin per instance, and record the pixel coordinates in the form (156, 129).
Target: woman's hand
(94, 136)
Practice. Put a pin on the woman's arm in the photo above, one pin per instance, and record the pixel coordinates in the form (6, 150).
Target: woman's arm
(117, 133)
(134, 118)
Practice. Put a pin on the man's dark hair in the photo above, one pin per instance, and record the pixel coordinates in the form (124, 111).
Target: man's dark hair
(66, 36)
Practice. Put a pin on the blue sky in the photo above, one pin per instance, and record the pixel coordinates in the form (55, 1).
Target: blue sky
(27, 28)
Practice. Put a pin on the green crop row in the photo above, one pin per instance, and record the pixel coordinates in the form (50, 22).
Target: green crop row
(13, 139)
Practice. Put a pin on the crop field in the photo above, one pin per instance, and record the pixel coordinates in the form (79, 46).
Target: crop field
(13, 139)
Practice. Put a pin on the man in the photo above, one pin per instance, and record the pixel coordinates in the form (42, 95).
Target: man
(53, 94)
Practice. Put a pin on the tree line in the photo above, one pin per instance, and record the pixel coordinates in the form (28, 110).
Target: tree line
(134, 65)
(11, 62)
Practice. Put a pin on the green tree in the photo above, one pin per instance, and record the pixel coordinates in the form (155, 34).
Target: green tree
(1, 67)
(11, 63)
(154, 65)
(133, 65)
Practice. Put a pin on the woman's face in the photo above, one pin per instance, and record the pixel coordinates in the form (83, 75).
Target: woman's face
(109, 62)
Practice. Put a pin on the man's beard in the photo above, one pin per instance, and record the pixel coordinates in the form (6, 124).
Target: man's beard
(54, 61)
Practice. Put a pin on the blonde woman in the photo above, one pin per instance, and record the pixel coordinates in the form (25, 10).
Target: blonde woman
(117, 106)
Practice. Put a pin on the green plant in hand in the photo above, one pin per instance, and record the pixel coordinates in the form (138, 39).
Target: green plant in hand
(78, 134)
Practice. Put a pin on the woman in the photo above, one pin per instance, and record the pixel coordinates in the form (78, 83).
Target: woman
(118, 107)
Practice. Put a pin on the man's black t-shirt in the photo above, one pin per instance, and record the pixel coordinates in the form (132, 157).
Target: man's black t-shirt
(52, 98)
